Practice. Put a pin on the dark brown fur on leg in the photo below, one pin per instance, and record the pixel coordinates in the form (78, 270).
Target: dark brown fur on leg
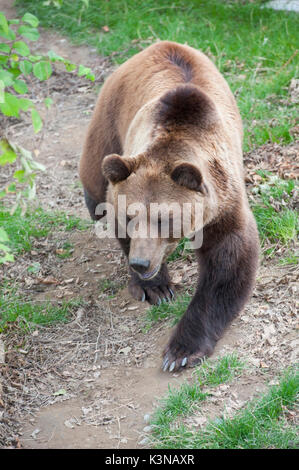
(227, 272)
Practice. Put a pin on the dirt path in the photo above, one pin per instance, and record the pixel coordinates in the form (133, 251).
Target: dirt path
(90, 383)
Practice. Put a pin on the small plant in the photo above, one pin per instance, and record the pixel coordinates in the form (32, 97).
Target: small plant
(17, 65)
(109, 287)
(180, 250)
(65, 251)
(165, 310)
(17, 62)
(24, 187)
(275, 213)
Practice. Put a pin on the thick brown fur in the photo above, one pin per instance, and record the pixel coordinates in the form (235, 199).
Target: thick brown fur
(166, 129)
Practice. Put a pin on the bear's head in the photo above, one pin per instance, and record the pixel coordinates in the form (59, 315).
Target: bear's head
(156, 203)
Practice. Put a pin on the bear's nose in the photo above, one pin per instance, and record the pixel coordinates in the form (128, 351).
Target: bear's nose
(140, 265)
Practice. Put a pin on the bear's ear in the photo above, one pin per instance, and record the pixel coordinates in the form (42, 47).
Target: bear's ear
(116, 168)
(187, 175)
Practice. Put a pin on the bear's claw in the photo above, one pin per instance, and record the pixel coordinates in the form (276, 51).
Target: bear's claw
(157, 295)
(155, 291)
(172, 364)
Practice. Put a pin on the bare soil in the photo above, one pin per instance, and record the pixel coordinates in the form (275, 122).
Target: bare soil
(89, 383)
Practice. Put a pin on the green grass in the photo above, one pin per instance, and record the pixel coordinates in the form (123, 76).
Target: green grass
(27, 313)
(23, 229)
(66, 250)
(182, 401)
(276, 218)
(254, 48)
(110, 287)
(165, 310)
(179, 251)
(224, 370)
(262, 423)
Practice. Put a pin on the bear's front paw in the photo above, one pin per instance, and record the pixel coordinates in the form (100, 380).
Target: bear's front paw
(155, 295)
(157, 290)
(178, 355)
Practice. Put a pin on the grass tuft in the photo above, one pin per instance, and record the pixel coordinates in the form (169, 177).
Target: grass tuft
(22, 229)
(224, 370)
(275, 213)
(26, 313)
(165, 310)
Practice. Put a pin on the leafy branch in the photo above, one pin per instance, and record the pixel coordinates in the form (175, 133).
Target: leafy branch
(17, 64)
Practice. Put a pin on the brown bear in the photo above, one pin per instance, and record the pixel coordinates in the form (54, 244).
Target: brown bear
(166, 129)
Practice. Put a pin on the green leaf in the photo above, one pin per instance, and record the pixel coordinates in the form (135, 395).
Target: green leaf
(21, 48)
(20, 87)
(34, 268)
(3, 236)
(25, 104)
(6, 77)
(8, 156)
(86, 72)
(31, 192)
(36, 121)
(4, 248)
(14, 57)
(10, 35)
(20, 176)
(55, 57)
(2, 87)
(12, 188)
(13, 21)
(70, 67)
(83, 70)
(30, 19)
(42, 70)
(28, 32)
(10, 107)
(35, 58)
(14, 69)
(7, 153)
(6, 258)
(3, 22)
(4, 48)
(25, 67)
(48, 102)
(3, 59)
